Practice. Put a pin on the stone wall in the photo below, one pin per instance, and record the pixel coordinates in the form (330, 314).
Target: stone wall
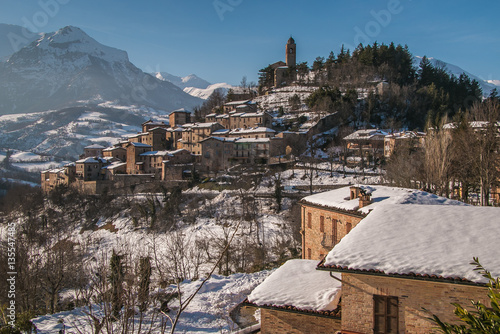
(278, 322)
(413, 295)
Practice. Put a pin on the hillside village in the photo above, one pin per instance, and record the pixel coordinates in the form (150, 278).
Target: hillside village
(394, 234)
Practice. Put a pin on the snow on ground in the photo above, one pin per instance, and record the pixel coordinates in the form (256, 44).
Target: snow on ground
(297, 283)
(207, 313)
(26, 157)
(423, 239)
(204, 93)
(280, 97)
(34, 167)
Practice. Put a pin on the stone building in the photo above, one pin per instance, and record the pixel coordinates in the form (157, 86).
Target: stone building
(148, 125)
(416, 256)
(411, 139)
(117, 152)
(297, 299)
(94, 150)
(135, 165)
(179, 117)
(328, 217)
(194, 133)
(90, 169)
(366, 144)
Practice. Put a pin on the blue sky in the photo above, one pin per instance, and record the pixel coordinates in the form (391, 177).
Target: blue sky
(224, 40)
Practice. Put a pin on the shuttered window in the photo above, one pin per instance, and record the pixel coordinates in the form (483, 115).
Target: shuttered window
(348, 227)
(309, 220)
(385, 312)
(322, 224)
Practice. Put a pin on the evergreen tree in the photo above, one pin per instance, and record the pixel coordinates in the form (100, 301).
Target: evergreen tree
(116, 278)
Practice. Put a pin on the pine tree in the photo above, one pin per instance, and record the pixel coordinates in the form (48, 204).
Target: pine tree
(116, 278)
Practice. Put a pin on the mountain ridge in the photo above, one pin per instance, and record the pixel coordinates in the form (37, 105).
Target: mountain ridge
(69, 68)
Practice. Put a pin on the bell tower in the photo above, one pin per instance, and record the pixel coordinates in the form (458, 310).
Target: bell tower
(291, 53)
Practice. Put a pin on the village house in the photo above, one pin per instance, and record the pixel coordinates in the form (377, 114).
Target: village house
(399, 266)
(411, 139)
(329, 216)
(365, 144)
(50, 179)
(135, 165)
(90, 169)
(416, 257)
(117, 152)
(150, 124)
(194, 133)
(179, 118)
(247, 106)
(94, 150)
(298, 299)
(256, 132)
(218, 153)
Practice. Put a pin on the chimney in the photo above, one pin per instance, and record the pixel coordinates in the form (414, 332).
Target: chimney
(364, 198)
(354, 192)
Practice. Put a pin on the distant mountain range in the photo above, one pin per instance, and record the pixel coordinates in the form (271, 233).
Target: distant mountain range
(68, 68)
(486, 86)
(194, 85)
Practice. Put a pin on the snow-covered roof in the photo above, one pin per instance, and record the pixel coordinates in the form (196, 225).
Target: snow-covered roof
(221, 131)
(92, 160)
(253, 115)
(406, 134)
(373, 134)
(253, 130)
(426, 241)
(211, 115)
(235, 103)
(223, 139)
(94, 146)
(253, 140)
(116, 165)
(181, 110)
(158, 128)
(298, 284)
(155, 153)
(178, 151)
(139, 144)
(237, 114)
(380, 195)
(200, 125)
(113, 148)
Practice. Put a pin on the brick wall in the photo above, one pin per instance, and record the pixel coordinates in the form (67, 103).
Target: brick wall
(413, 295)
(277, 322)
(318, 241)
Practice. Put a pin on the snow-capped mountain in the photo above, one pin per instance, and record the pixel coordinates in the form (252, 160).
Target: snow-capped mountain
(182, 82)
(194, 85)
(205, 93)
(13, 38)
(69, 68)
(486, 85)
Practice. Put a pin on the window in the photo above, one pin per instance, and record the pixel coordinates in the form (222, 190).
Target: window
(309, 220)
(309, 253)
(322, 224)
(385, 313)
(348, 227)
